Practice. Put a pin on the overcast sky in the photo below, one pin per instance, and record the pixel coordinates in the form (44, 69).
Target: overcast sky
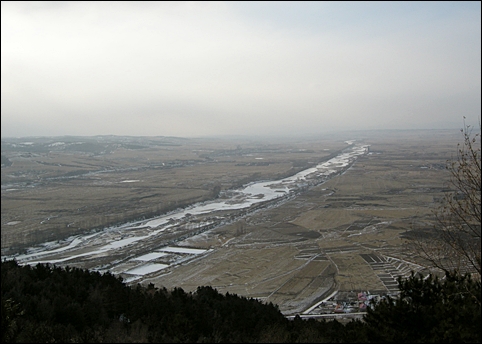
(198, 69)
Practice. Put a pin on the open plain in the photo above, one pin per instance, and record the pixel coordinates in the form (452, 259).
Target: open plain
(349, 233)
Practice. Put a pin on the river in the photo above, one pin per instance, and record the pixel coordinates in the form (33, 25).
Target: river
(131, 249)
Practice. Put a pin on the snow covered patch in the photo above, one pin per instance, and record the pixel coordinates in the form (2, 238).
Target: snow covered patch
(183, 250)
(12, 223)
(146, 269)
(150, 256)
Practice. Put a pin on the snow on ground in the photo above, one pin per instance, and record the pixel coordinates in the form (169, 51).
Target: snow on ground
(134, 233)
(182, 250)
(146, 269)
(150, 256)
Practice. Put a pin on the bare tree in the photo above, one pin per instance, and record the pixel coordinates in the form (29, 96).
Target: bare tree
(455, 243)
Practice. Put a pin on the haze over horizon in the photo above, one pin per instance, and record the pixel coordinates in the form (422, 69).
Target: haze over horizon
(193, 69)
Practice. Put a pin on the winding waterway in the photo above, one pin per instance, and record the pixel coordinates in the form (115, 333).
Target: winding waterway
(134, 249)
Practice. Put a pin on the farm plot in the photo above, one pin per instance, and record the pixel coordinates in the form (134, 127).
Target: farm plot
(293, 253)
(58, 187)
(365, 211)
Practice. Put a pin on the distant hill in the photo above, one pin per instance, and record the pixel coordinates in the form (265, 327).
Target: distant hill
(84, 144)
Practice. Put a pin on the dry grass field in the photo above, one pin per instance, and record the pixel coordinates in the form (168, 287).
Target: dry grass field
(349, 234)
(50, 193)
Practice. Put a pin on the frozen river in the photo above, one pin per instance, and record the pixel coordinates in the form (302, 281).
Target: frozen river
(127, 239)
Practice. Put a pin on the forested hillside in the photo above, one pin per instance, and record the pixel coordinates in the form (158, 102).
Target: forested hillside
(52, 304)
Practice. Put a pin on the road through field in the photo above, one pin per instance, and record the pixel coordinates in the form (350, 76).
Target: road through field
(117, 248)
(290, 240)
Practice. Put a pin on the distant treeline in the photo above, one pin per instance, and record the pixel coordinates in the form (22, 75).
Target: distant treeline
(52, 304)
(5, 161)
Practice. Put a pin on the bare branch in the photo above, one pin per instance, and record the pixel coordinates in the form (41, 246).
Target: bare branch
(455, 243)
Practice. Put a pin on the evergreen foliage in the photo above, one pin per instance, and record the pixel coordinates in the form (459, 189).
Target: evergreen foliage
(429, 310)
(46, 303)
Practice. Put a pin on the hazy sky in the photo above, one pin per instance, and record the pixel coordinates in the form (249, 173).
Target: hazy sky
(197, 69)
